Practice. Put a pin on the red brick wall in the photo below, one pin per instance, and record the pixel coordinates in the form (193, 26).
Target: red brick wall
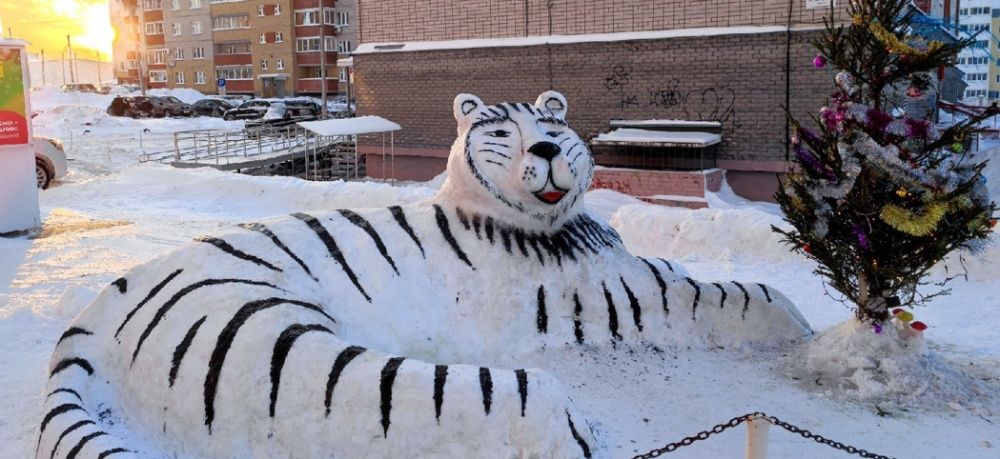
(646, 183)
(737, 79)
(420, 20)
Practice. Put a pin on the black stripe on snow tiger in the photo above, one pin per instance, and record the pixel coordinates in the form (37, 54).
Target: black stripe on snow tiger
(359, 333)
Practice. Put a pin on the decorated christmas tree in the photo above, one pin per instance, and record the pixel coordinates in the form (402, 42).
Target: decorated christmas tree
(881, 195)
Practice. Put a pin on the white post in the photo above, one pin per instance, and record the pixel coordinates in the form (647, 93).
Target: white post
(757, 438)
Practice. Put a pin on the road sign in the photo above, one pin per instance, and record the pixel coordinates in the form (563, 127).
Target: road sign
(221, 82)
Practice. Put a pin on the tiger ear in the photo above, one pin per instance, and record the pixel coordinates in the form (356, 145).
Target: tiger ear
(466, 106)
(554, 102)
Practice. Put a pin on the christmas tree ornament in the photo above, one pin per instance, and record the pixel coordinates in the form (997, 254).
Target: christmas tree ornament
(819, 61)
(918, 326)
(902, 193)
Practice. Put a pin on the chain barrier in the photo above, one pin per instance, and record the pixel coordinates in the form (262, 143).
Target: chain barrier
(687, 441)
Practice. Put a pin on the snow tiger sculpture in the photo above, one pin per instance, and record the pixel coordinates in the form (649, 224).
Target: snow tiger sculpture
(370, 333)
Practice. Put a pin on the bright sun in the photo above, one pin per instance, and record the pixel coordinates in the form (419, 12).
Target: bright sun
(95, 30)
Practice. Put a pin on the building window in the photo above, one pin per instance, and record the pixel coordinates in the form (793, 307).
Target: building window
(277, 9)
(330, 43)
(179, 77)
(279, 37)
(344, 47)
(230, 22)
(158, 76)
(195, 4)
(344, 74)
(307, 45)
(154, 28)
(263, 39)
(341, 18)
(199, 77)
(307, 17)
(260, 10)
(158, 56)
(175, 4)
(179, 54)
(279, 64)
(197, 52)
(234, 72)
(196, 27)
(263, 64)
(153, 5)
(177, 28)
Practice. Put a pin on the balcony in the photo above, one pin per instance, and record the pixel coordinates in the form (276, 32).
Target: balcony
(239, 86)
(152, 16)
(315, 85)
(303, 4)
(314, 30)
(313, 58)
(154, 40)
(233, 59)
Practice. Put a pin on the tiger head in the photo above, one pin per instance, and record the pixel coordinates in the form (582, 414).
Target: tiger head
(517, 161)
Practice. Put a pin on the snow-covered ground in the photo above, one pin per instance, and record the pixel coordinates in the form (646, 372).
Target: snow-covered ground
(111, 213)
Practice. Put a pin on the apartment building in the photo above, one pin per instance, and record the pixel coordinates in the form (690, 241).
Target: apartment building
(268, 48)
(125, 47)
(187, 38)
(994, 91)
(979, 62)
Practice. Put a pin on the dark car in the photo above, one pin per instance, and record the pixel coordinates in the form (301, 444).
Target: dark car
(315, 106)
(211, 107)
(249, 110)
(280, 115)
(173, 106)
(136, 107)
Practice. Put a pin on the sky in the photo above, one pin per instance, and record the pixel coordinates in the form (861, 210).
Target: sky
(45, 24)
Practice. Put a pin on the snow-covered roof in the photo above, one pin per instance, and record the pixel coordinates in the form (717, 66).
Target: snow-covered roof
(631, 136)
(13, 42)
(666, 123)
(397, 47)
(350, 126)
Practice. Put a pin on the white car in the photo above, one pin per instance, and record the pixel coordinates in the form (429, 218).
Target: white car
(50, 160)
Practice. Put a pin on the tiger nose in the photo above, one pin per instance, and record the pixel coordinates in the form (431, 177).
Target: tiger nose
(547, 150)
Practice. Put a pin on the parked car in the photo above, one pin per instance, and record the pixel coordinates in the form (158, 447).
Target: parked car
(211, 107)
(136, 107)
(173, 106)
(79, 87)
(249, 110)
(279, 115)
(50, 160)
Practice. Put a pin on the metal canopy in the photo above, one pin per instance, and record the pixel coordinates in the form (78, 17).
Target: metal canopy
(350, 126)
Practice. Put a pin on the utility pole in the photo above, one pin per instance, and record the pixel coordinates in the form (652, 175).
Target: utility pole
(72, 60)
(43, 67)
(62, 65)
(98, 62)
(322, 55)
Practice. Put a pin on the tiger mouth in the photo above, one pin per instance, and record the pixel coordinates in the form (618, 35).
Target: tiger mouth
(551, 197)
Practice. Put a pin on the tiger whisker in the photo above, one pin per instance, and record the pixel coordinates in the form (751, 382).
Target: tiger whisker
(487, 150)
(497, 144)
(494, 162)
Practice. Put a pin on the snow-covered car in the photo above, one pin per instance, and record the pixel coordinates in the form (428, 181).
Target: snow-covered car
(279, 115)
(211, 107)
(136, 107)
(250, 110)
(50, 160)
(79, 87)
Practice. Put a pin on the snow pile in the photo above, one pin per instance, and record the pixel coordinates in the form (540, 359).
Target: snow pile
(712, 234)
(892, 369)
(186, 95)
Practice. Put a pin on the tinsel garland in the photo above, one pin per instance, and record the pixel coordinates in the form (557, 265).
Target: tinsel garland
(894, 44)
(912, 223)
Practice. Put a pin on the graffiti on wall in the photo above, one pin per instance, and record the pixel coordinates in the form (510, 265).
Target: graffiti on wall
(687, 101)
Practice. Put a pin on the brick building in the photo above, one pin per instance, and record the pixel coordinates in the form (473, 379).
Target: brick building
(721, 60)
(268, 48)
